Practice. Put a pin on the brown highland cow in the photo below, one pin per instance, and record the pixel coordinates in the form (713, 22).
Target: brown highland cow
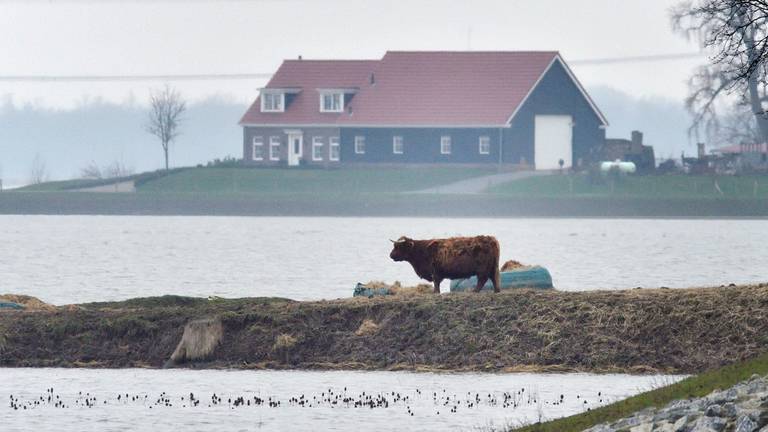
(451, 258)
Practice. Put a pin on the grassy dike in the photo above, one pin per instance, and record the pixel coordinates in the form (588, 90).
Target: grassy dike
(641, 330)
(693, 387)
(382, 191)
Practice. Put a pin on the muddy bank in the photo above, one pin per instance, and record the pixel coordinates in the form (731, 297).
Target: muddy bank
(640, 330)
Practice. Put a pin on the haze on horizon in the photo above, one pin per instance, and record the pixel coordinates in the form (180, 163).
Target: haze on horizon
(107, 38)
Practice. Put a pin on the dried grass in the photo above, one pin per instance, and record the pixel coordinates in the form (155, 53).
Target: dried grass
(398, 289)
(200, 339)
(512, 265)
(30, 303)
(368, 327)
(284, 341)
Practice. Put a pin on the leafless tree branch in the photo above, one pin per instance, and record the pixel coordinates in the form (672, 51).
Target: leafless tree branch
(165, 116)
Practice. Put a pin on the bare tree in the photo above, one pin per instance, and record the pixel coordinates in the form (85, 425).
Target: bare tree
(38, 172)
(736, 31)
(117, 169)
(91, 171)
(735, 126)
(166, 108)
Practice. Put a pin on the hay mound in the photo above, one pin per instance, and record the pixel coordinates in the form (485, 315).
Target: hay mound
(511, 265)
(398, 289)
(199, 340)
(30, 303)
(368, 327)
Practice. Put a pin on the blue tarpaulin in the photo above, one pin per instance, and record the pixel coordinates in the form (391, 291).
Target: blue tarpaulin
(525, 277)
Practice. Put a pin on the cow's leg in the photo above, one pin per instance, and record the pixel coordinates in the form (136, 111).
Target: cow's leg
(496, 280)
(437, 285)
(481, 280)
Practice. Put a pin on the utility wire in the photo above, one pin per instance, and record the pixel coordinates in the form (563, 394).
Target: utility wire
(638, 59)
(264, 76)
(92, 78)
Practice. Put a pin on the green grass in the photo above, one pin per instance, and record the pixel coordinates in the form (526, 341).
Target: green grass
(663, 186)
(692, 387)
(311, 181)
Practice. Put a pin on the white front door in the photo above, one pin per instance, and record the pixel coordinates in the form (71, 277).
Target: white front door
(553, 141)
(295, 145)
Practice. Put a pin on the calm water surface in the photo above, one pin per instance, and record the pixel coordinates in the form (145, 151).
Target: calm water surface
(71, 259)
(478, 398)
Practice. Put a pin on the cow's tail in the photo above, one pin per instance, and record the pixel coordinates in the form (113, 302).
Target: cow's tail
(496, 275)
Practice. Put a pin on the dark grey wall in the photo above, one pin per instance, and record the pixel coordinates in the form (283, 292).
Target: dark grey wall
(420, 145)
(556, 94)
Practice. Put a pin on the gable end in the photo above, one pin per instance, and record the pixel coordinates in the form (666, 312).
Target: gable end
(558, 59)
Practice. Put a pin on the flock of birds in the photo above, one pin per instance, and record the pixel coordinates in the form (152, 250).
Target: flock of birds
(442, 402)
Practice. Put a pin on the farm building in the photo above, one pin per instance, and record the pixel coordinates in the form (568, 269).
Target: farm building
(631, 150)
(481, 108)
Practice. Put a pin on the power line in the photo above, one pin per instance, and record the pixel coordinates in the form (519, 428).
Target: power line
(638, 59)
(176, 77)
(264, 76)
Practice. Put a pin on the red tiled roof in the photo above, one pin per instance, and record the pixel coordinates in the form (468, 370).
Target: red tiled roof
(310, 75)
(448, 88)
(412, 88)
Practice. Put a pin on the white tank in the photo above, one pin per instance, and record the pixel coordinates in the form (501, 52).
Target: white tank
(622, 167)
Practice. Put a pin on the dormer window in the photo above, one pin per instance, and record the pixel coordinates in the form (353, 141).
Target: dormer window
(331, 102)
(272, 101)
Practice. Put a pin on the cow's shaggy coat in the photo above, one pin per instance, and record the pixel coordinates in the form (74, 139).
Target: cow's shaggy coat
(451, 258)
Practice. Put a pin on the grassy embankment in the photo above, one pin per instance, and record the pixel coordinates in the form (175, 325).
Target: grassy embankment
(693, 387)
(639, 187)
(642, 330)
(280, 181)
(379, 192)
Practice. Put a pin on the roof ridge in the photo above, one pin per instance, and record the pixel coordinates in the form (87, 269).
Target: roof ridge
(331, 60)
(474, 51)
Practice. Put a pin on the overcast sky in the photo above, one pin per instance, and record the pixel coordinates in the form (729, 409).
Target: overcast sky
(180, 37)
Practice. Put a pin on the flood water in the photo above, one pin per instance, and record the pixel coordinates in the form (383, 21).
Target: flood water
(73, 259)
(154, 400)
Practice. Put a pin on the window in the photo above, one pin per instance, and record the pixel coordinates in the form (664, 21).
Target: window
(274, 148)
(317, 148)
(272, 102)
(331, 102)
(397, 145)
(484, 145)
(258, 148)
(333, 148)
(445, 144)
(359, 144)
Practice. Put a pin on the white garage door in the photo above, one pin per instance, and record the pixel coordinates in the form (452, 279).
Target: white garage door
(553, 141)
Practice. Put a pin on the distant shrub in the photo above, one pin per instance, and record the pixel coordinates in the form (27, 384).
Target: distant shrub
(227, 162)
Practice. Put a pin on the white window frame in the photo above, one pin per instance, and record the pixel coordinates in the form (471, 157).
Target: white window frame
(338, 109)
(317, 148)
(445, 144)
(272, 94)
(257, 141)
(484, 139)
(359, 144)
(397, 141)
(274, 148)
(333, 142)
